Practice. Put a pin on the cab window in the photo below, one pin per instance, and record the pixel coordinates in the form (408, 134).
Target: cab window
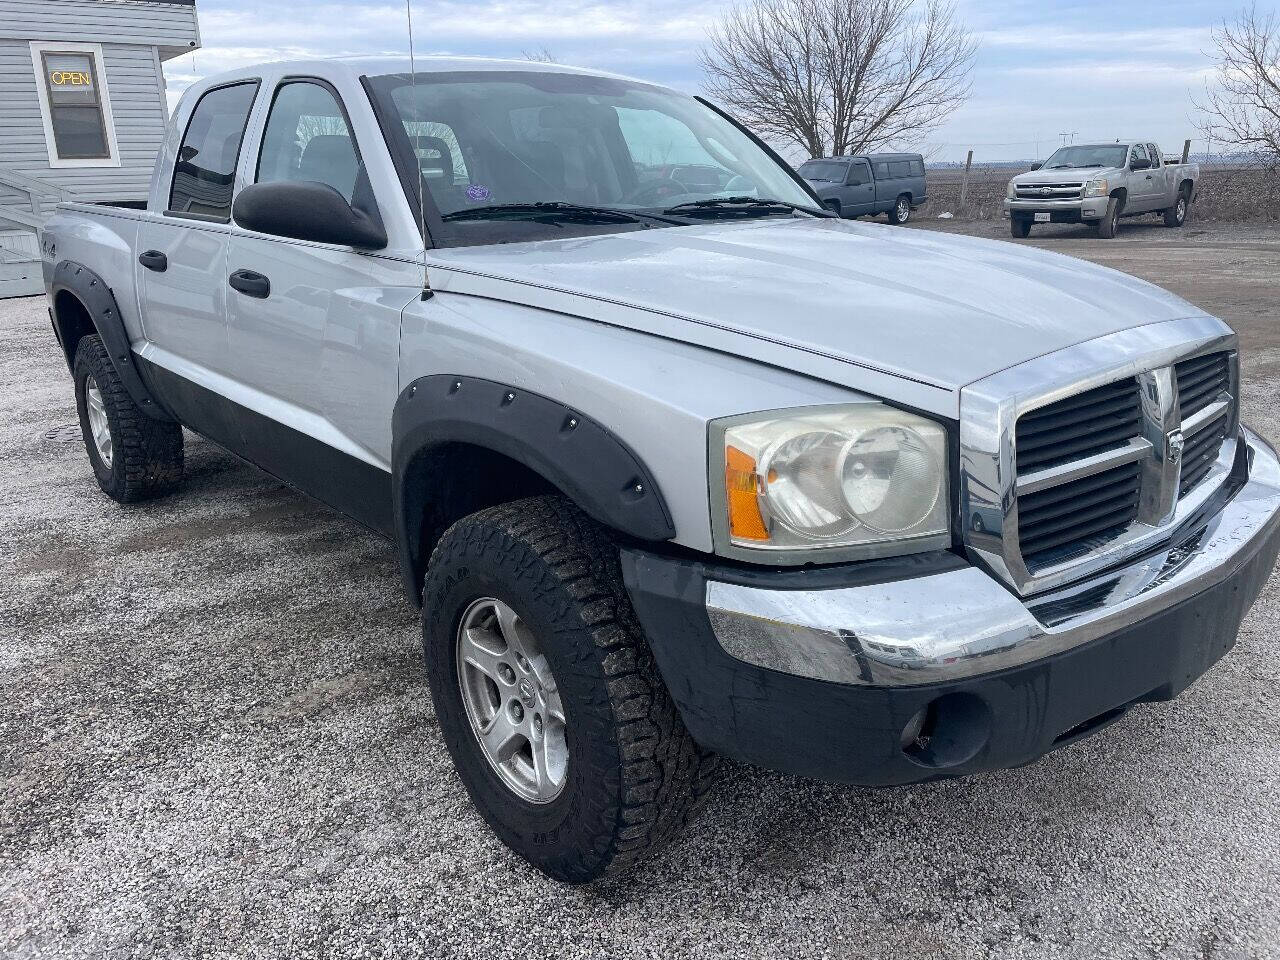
(204, 175)
(1139, 152)
(859, 173)
(307, 138)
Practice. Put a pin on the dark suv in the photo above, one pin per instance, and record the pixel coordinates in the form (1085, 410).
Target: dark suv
(892, 183)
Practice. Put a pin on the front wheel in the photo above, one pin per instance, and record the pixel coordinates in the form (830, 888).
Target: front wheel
(548, 696)
(1020, 227)
(901, 211)
(1176, 215)
(1109, 225)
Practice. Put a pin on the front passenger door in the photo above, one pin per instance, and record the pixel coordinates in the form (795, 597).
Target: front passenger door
(315, 339)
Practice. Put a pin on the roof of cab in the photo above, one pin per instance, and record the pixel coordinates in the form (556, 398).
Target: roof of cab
(355, 67)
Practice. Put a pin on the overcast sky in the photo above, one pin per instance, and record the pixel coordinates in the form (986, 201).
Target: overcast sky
(1101, 68)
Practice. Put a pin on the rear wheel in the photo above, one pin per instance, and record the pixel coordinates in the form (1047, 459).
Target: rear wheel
(901, 211)
(548, 696)
(134, 456)
(1176, 215)
(1110, 222)
(1020, 227)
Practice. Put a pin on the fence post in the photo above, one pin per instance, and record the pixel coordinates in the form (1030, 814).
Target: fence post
(1186, 150)
(964, 182)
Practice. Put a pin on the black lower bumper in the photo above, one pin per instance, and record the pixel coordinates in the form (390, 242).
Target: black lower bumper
(868, 735)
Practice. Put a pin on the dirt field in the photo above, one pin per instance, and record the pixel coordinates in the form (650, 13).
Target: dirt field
(216, 741)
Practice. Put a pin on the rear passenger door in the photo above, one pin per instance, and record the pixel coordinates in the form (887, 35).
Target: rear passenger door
(182, 255)
(860, 189)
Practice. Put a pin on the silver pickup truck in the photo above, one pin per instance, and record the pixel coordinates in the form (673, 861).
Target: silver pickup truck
(672, 471)
(1100, 183)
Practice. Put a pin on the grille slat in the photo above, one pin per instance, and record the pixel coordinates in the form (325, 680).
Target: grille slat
(1200, 454)
(1200, 381)
(1119, 405)
(1100, 441)
(1096, 507)
(1080, 426)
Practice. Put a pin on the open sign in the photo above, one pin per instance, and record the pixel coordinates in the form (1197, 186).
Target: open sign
(74, 78)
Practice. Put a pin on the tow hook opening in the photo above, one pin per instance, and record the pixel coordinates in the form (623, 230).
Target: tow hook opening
(948, 731)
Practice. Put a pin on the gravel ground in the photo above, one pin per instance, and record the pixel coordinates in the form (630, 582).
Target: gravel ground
(216, 741)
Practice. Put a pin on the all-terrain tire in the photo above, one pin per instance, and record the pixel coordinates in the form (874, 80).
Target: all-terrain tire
(1020, 227)
(146, 454)
(1109, 225)
(634, 776)
(1176, 215)
(901, 210)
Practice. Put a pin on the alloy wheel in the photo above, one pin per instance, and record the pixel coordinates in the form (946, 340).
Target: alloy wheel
(511, 700)
(98, 425)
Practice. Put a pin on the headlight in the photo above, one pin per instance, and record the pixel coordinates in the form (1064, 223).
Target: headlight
(831, 478)
(1096, 188)
(1012, 192)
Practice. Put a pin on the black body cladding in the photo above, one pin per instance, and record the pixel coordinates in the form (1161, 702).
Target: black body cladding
(99, 302)
(571, 452)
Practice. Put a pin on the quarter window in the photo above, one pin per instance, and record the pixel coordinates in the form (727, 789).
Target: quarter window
(900, 168)
(205, 173)
(882, 170)
(307, 138)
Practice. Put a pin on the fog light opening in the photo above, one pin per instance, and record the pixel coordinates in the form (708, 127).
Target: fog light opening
(948, 732)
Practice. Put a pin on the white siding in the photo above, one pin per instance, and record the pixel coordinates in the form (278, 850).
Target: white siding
(137, 100)
(171, 26)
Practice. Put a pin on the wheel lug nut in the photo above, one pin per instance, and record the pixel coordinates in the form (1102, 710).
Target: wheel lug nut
(537, 725)
(506, 673)
(517, 711)
(523, 663)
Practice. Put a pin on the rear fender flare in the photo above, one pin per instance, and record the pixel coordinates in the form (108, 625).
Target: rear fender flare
(100, 303)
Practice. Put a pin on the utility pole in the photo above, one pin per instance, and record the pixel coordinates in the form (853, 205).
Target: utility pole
(1072, 135)
(964, 183)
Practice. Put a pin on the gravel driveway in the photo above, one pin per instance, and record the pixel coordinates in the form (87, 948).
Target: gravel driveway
(216, 740)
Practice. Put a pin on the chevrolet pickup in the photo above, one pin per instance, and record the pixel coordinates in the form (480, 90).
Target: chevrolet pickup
(673, 471)
(1099, 184)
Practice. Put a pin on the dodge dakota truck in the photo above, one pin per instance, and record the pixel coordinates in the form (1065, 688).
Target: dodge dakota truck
(1100, 183)
(674, 472)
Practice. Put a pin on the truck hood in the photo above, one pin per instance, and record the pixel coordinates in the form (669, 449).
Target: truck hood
(855, 303)
(1070, 174)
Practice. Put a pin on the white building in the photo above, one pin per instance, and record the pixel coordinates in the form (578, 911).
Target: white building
(82, 110)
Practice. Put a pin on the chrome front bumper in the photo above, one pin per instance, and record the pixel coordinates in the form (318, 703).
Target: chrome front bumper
(963, 623)
(1090, 208)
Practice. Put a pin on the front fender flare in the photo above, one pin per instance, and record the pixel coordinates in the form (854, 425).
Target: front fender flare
(571, 451)
(100, 303)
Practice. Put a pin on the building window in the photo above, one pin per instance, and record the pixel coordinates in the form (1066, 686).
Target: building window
(75, 105)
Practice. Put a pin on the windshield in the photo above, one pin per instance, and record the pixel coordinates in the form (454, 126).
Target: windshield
(825, 170)
(489, 139)
(1105, 155)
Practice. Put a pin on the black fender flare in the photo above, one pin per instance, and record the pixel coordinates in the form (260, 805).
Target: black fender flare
(571, 451)
(100, 303)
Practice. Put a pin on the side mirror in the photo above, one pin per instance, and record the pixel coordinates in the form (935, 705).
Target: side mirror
(1140, 164)
(307, 210)
(1037, 165)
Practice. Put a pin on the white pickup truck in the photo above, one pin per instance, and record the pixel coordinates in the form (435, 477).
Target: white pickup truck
(674, 470)
(1099, 183)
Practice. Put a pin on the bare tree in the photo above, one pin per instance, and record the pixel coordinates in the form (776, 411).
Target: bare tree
(541, 55)
(1243, 107)
(840, 76)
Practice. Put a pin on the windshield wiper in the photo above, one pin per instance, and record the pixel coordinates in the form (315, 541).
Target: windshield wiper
(745, 204)
(556, 209)
(1061, 166)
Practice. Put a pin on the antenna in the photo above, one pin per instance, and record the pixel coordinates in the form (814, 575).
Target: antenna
(417, 160)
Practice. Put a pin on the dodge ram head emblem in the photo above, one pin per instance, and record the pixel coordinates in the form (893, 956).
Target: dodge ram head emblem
(1174, 445)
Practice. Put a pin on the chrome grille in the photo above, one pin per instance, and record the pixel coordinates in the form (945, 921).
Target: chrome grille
(1078, 460)
(1048, 191)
